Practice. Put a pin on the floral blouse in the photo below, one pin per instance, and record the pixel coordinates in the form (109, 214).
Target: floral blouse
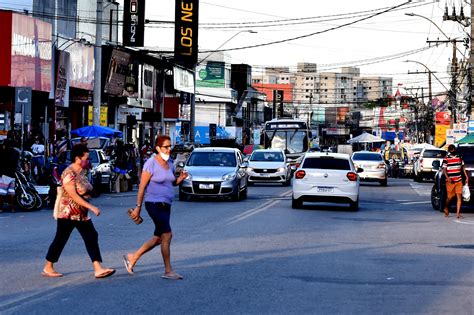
(68, 208)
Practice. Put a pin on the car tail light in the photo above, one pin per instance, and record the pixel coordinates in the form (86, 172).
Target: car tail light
(298, 165)
(381, 165)
(300, 174)
(352, 176)
(421, 161)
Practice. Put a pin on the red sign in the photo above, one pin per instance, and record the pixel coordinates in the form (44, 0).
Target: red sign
(30, 53)
(443, 118)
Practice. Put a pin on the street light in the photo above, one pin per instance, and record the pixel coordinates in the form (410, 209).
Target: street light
(193, 98)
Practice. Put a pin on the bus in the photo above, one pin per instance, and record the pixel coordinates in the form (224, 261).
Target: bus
(290, 135)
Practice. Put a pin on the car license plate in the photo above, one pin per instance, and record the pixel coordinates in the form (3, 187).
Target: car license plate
(325, 189)
(206, 186)
(265, 175)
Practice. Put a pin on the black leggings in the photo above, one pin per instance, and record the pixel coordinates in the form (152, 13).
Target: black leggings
(64, 230)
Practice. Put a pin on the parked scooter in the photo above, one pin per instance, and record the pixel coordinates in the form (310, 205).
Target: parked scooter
(27, 197)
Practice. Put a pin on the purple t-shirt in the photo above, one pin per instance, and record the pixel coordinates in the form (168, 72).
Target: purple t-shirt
(160, 187)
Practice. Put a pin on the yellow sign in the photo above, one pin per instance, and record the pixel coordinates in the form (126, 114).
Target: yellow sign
(103, 115)
(440, 135)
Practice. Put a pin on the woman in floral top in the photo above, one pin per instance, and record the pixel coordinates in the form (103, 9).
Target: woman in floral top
(73, 213)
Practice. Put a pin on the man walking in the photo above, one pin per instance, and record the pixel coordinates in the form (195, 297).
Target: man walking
(453, 165)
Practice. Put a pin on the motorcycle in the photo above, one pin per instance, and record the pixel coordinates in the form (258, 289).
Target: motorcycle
(27, 197)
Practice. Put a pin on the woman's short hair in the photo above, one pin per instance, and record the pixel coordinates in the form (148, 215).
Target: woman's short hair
(160, 139)
(78, 151)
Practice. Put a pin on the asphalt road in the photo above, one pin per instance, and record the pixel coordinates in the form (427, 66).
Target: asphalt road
(394, 256)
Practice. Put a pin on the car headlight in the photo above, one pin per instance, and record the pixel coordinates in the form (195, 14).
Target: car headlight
(229, 176)
(250, 169)
(189, 177)
(281, 169)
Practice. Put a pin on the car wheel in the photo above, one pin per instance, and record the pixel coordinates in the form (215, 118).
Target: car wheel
(383, 182)
(435, 198)
(182, 196)
(295, 203)
(236, 195)
(354, 206)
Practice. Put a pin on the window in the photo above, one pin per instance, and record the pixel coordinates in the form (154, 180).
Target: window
(327, 163)
(366, 157)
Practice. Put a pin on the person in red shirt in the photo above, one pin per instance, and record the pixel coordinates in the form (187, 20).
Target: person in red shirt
(453, 167)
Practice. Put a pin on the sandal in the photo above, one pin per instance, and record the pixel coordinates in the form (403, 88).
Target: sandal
(127, 264)
(105, 274)
(459, 217)
(172, 276)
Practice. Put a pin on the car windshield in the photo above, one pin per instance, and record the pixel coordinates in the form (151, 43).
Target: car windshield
(267, 157)
(327, 163)
(212, 159)
(467, 154)
(292, 141)
(366, 157)
(435, 154)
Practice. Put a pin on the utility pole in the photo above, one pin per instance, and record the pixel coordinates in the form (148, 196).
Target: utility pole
(97, 66)
(454, 73)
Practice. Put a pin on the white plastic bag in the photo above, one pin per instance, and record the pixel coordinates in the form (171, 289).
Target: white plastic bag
(466, 194)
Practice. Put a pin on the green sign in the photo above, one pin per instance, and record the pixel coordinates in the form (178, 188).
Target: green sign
(211, 75)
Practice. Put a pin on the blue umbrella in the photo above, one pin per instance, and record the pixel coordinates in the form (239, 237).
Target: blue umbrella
(97, 131)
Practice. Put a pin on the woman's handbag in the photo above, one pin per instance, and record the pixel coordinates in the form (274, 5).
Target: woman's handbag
(466, 194)
(57, 202)
(138, 220)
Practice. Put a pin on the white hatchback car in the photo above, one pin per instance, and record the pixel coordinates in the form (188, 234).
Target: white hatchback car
(326, 177)
(269, 166)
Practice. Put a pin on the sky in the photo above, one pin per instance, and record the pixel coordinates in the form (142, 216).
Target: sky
(385, 36)
(378, 45)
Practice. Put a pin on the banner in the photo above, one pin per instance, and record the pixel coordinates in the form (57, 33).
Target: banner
(186, 32)
(183, 80)
(211, 75)
(61, 92)
(134, 23)
(443, 118)
(440, 135)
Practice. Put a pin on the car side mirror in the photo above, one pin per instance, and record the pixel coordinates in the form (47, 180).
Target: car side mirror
(180, 164)
(436, 165)
(360, 170)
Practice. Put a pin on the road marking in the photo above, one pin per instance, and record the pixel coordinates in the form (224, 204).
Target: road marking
(402, 200)
(251, 212)
(415, 202)
(464, 222)
(421, 190)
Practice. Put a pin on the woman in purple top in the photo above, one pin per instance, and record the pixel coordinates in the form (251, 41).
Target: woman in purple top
(156, 188)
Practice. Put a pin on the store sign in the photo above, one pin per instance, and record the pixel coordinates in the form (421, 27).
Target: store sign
(186, 32)
(23, 103)
(103, 116)
(31, 53)
(123, 112)
(61, 89)
(82, 66)
(183, 80)
(134, 23)
(118, 71)
(211, 75)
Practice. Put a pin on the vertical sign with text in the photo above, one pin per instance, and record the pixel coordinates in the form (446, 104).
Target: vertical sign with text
(277, 103)
(186, 32)
(134, 23)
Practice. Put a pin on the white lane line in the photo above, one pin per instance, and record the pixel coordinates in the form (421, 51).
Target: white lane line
(415, 202)
(402, 200)
(421, 190)
(464, 222)
(256, 210)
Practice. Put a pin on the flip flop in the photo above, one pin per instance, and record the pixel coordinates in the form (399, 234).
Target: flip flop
(172, 276)
(105, 274)
(126, 262)
(55, 274)
(459, 217)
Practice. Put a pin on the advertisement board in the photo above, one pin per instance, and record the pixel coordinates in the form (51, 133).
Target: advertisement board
(440, 135)
(186, 32)
(82, 66)
(118, 71)
(212, 74)
(61, 89)
(31, 53)
(103, 115)
(134, 23)
(183, 80)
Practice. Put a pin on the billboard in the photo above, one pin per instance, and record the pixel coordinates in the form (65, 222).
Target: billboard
(211, 75)
(134, 23)
(31, 52)
(118, 71)
(61, 90)
(82, 66)
(186, 32)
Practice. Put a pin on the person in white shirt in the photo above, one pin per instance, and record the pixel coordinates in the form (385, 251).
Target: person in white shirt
(37, 162)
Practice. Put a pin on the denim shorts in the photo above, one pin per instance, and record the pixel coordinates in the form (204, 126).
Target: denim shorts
(159, 212)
